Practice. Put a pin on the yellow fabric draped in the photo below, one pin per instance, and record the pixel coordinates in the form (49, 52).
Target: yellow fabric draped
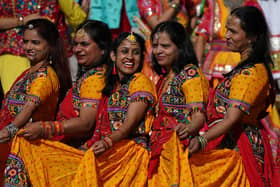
(51, 163)
(212, 168)
(125, 164)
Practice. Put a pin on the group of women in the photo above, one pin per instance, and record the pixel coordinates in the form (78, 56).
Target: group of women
(114, 127)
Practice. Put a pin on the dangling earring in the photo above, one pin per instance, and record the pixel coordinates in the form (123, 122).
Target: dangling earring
(114, 69)
(163, 70)
(50, 60)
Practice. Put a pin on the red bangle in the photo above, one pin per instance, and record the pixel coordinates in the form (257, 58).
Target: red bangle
(107, 144)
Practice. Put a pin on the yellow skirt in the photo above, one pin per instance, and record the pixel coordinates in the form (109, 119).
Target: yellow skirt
(212, 168)
(51, 163)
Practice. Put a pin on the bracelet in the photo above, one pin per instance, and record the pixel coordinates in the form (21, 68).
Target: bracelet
(12, 129)
(50, 129)
(20, 21)
(108, 141)
(202, 141)
(106, 144)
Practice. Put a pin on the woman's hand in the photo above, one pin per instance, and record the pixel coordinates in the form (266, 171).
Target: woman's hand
(194, 146)
(99, 147)
(4, 135)
(182, 131)
(31, 131)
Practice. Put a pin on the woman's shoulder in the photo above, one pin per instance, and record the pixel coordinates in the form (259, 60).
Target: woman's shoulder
(191, 71)
(141, 77)
(256, 74)
(257, 71)
(141, 82)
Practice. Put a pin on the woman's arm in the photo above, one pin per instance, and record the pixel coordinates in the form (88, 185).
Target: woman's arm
(81, 126)
(184, 130)
(20, 120)
(13, 22)
(154, 20)
(73, 11)
(135, 113)
(199, 47)
(232, 117)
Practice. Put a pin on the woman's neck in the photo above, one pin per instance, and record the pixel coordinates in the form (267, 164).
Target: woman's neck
(36, 66)
(245, 54)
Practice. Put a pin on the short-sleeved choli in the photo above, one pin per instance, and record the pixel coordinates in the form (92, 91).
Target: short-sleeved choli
(87, 91)
(248, 86)
(91, 90)
(142, 88)
(43, 85)
(246, 89)
(196, 88)
(40, 87)
(186, 92)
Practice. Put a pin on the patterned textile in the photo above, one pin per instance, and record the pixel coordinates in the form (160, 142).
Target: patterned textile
(246, 89)
(211, 168)
(149, 8)
(52, 163)
(185, 93)
(11, 41)
(138, 88)
(15, 173)
(40, 87)
(85, 93)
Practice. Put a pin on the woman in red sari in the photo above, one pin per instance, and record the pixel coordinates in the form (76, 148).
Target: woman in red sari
(36, 92)
(241, 99)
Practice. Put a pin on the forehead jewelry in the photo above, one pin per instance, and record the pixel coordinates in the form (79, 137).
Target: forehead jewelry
(80, 33)
(131, 37)
(30, 26)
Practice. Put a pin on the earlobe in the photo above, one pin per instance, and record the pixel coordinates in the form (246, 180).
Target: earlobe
(113, 56)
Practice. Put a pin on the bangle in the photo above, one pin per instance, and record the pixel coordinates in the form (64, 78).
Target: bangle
(20, 21)
(202, 141)
(106, 144)
(12, 129)
(108, 141)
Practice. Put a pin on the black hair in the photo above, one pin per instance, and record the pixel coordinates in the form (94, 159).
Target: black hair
(253, 22)
(100, 33)
(182, 40)
(57, 54)
(111, 79)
